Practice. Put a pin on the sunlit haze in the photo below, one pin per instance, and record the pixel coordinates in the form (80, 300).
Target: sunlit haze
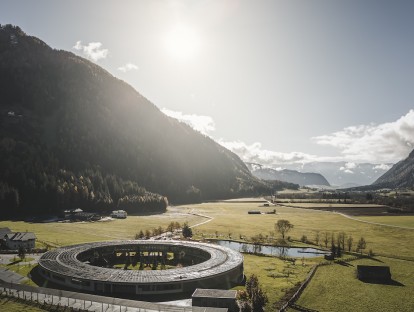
(277, 82)
(182, 43)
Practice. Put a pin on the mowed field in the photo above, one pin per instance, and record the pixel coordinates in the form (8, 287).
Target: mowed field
(335, 288)
(62, 234)
(404, 221)
(11, 305)
(232, 219)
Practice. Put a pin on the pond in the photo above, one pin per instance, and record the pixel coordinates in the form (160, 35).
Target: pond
(277, 251)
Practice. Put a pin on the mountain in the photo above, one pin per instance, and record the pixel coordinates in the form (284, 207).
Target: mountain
(401, 175)
(73, 135)
(342, 174)
(291, 176)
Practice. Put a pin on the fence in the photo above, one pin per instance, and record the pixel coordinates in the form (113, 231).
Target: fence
(55, 300)
(302, 287)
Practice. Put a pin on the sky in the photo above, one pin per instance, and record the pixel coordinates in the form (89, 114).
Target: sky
(277, 82)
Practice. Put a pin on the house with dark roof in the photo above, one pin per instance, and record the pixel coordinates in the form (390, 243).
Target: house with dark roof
(17, 240)
(3, 232)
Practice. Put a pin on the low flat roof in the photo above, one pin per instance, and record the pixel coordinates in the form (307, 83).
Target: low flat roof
(214, 293)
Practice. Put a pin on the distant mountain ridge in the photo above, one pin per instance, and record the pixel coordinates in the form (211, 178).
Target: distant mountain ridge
(342, 174)
(72, 135)
(286, 175)
(401, 175)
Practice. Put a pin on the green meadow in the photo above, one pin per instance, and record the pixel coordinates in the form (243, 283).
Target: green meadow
(230, 219)
(336, 288)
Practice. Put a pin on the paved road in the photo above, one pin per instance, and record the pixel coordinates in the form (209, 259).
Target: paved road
(11, 277)
(8, 258)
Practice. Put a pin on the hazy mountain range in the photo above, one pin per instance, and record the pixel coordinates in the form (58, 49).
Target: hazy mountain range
(292, 176)
(336, 174)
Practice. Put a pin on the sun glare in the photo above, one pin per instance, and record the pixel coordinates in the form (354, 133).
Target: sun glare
(182, 43)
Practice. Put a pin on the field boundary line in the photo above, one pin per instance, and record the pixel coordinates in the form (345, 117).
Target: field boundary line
(374, 223)
(200, 215)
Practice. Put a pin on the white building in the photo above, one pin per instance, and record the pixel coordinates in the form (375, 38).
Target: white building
(26, 240)
(120, 214)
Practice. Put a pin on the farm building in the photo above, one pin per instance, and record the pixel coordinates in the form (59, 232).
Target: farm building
(26, 240)
(79, 215)
(119, 214)
(215, 298)
(3, 232)
(374, 273)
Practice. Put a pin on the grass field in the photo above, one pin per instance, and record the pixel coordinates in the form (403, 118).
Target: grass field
(61, 234)
(336, 288)
(331, 205)
(9, 305)
(232, 219)
(406, 221)
(276, 275)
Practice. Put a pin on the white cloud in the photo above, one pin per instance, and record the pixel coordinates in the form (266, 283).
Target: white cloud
(256, 154)
(92, 51)
(348, 167)
(348, 140)
(387, 142)
(203, 124)
(384, 167)
(128, 67)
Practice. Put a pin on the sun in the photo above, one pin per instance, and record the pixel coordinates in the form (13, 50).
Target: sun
(182, 43)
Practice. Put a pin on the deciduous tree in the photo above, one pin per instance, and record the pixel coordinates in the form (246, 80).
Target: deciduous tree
(283, 226)
(362, 244)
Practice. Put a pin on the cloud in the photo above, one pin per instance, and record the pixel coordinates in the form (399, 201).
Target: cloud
(384, 167)
(348, 167)
(128, 67)
(203, 124)
(92, 51)
(256, 154)
(382, 143)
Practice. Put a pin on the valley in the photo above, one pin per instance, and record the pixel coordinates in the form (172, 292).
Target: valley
(387, 245)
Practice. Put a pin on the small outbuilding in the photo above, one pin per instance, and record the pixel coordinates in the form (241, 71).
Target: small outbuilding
(119, 214)
(215, 298)
(374, 273)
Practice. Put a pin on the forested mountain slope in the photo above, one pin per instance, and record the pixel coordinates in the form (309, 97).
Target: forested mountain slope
(399, 176)
(73, 135)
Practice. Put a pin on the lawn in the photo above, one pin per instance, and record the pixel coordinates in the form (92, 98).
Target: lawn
(276, 275)
(10, 305)
(405, 221)
(61, 234)
(331, 205)
(231, 219)
(336, 288)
